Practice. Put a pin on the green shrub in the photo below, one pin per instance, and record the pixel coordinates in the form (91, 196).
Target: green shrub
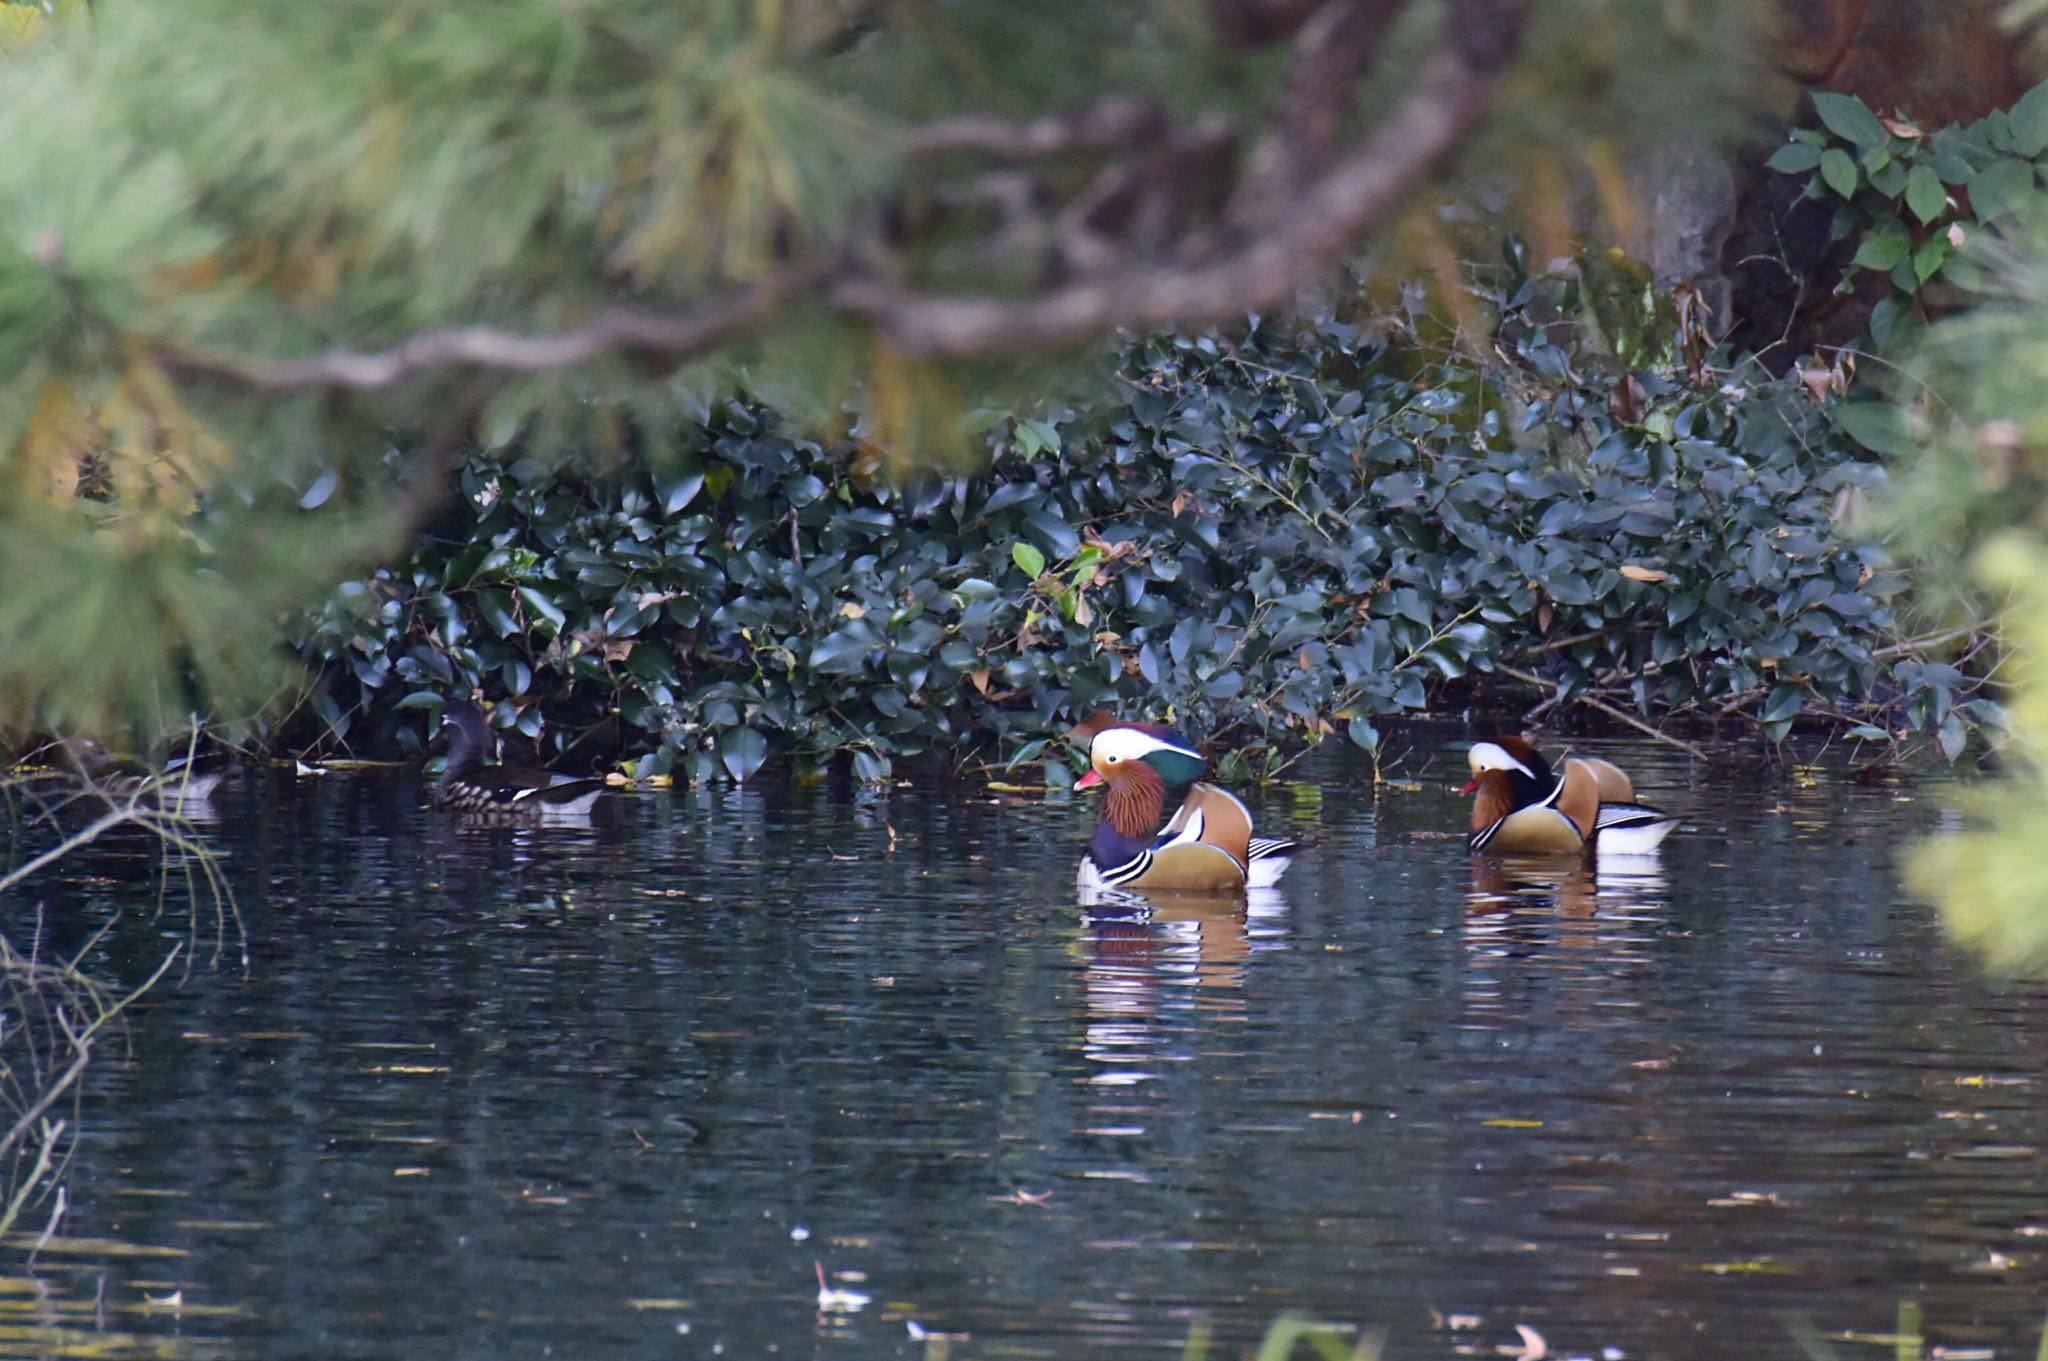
(1284, 533)
(1912, 200)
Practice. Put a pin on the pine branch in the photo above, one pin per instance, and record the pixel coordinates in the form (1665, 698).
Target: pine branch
(1133, 270)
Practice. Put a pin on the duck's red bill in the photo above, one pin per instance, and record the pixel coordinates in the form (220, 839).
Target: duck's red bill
(1471, 786)
(1088, 781)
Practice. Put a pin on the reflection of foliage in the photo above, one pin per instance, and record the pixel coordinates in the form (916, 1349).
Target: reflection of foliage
(1294, 1334)
(230, 268)
(1273, 533)
(51, 1014)
(52, 1010)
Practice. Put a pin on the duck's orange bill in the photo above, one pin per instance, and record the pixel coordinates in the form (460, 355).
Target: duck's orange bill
(1471, 786)
(1088, 781)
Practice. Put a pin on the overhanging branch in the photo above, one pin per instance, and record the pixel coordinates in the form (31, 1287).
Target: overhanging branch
(1306, 208)
(1333, 50)
(1104, 125)
(1310, 235)
(668, 336)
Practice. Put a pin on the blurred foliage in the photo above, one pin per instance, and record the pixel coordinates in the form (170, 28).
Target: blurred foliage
(1283, 533)
(1988, 879)
(1976, 494)
(250, 182)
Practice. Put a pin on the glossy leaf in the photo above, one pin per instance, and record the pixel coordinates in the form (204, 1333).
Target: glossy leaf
(1850, 118)
(1839, 172)
(1925, 193)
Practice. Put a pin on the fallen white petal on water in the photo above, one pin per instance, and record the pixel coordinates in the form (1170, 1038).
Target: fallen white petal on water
(832, 1300)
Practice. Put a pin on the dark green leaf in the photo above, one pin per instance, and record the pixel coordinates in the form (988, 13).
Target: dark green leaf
(549, 612)
(1951, 736)
(1931, 256)
(1884, 248)
(1877, 426)
(1784, 702)
(2002, 189)
(1838, 172)
(1925, 194)
(742, 751)
(1794, 158)
(1850, 119)
(678, 490)
(2028, 119)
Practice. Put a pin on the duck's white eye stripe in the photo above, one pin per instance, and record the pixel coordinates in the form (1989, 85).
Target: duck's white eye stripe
(1129, 744)
(1486, 756)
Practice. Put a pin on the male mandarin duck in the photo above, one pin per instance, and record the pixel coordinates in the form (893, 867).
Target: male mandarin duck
(1208, 847)
(1522, 808)
(503, 794)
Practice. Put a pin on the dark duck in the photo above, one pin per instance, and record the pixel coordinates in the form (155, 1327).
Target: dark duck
(513, 795)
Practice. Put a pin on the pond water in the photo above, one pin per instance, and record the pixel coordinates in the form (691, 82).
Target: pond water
(618, 1092)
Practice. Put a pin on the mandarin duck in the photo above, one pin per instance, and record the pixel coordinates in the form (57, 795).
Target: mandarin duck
(1207, 847)
(511, 795)
(1522, 808)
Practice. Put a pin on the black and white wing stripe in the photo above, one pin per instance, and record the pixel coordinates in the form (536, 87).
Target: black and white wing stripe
(1264, 847)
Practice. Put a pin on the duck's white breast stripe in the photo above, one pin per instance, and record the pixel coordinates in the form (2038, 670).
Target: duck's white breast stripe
(1129, 870)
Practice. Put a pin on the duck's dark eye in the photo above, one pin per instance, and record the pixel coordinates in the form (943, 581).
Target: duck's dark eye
(1111, 760)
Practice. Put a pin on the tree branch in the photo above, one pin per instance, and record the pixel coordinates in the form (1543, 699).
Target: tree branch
(1255, 23)
(1139, 276)
(1141, 205)
(1331, 53)
(1311, 234)
(671, 336)
(1104, 125)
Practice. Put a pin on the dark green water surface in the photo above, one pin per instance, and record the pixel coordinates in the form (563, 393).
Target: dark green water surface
(611, 1093)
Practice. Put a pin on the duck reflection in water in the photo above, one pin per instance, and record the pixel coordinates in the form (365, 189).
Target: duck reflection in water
(1527, 897)
(1161, 968)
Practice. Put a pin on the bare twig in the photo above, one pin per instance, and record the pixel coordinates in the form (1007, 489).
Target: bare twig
(1618, 714)
(1907, 647)
(1560, 644)
(44, 1165)
(85, 835)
